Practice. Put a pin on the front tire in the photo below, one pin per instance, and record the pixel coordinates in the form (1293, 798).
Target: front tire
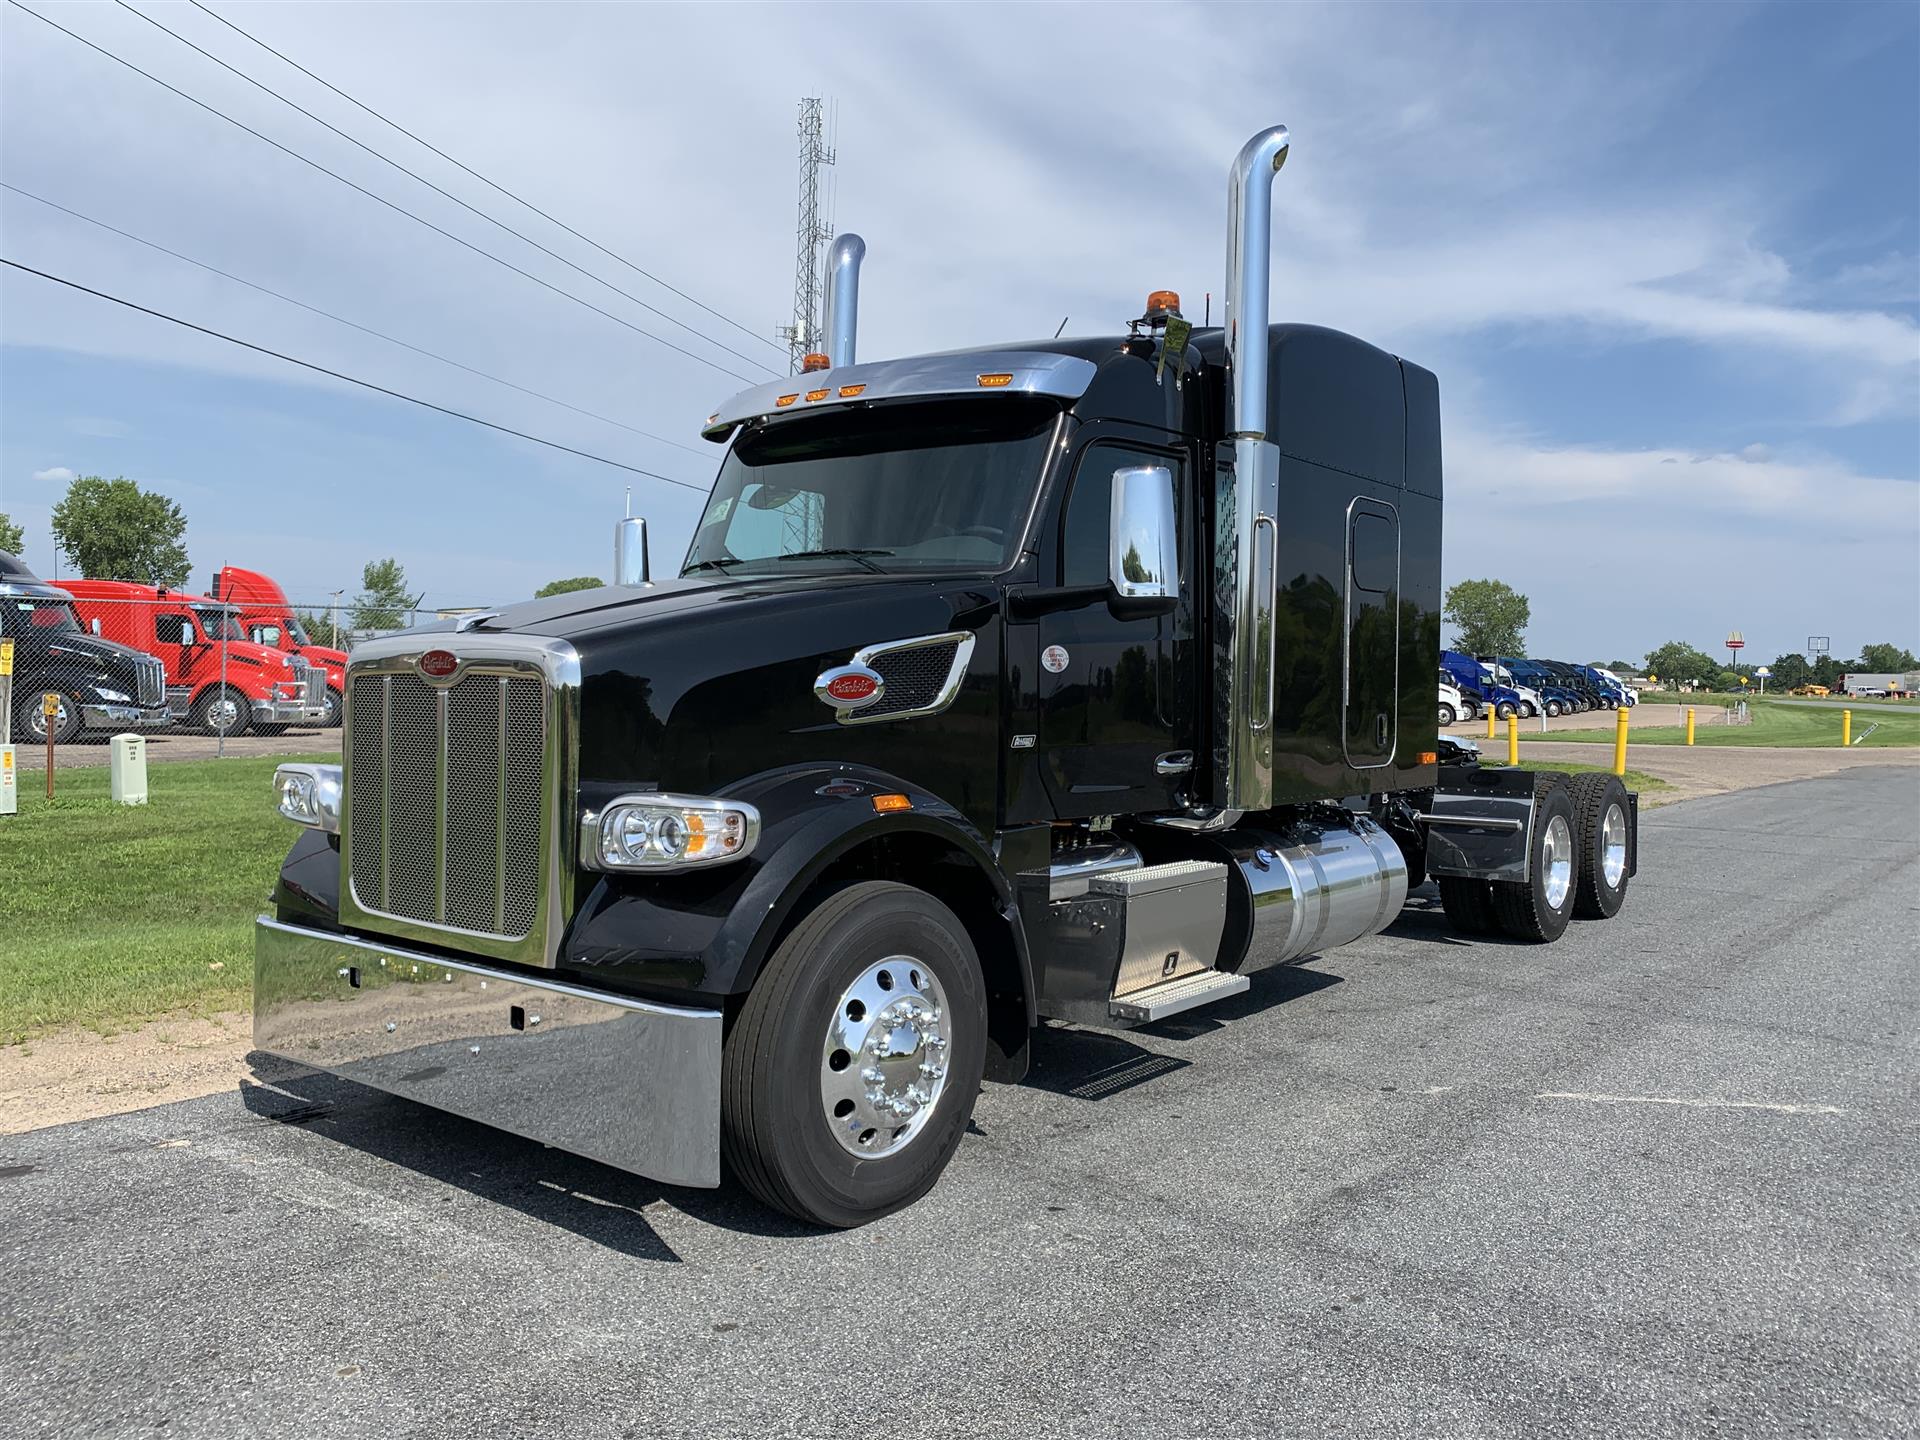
(1447, 717)
(1539, 907)
(336, 710)
(851, 1071)
(221, 710)
(1553, 709)
(30, 719)
(1504, 710)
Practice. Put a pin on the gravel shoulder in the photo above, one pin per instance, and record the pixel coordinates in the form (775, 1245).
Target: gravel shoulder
(179, 745)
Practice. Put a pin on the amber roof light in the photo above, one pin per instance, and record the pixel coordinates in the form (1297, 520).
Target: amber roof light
(815, 361)
(1163, 302)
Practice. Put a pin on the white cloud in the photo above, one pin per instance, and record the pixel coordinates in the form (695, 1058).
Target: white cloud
(54, 475)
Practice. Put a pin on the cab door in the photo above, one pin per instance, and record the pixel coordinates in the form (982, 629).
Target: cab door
(1370, 682)
(1118, 708)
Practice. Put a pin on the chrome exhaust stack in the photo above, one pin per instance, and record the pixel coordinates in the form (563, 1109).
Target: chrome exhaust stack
(843, 298)
(1243, 743)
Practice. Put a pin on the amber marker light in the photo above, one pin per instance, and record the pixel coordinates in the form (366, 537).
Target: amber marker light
(815, 361)
(885, 803)
(1429, 757)
(813, 395)
(995, 382)
(786, 400)
(847, 392)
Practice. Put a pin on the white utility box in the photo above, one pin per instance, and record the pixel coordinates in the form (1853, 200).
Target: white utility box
(9, 784)
(127, 758)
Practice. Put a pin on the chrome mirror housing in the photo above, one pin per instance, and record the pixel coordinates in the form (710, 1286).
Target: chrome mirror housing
(1142, 563)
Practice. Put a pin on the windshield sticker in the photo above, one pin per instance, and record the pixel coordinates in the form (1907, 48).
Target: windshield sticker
(1054, 658)
(722, 508)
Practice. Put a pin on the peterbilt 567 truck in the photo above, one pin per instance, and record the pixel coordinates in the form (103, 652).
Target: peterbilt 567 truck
(1076, 679)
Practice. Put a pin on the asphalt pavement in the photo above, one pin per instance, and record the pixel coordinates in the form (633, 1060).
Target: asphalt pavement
(1658, 1179)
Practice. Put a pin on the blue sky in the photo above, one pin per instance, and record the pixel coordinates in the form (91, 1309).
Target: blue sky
(1663, 259)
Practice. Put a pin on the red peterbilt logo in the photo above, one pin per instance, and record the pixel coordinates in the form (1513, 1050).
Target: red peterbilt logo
(439, 664)
(849, 687)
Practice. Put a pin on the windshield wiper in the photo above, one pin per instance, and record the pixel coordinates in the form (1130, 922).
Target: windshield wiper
(835, 552)
(714, 564)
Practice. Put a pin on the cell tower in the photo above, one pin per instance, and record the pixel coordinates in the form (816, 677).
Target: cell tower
(815, 230)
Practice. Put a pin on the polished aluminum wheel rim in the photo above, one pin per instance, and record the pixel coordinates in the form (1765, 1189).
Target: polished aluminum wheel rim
(1557, 861)
(884, 1066)
(223, 715)
(1613, 846)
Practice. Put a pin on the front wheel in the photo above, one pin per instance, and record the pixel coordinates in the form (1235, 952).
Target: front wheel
(221, 710)
(1447, 717)
(30, 721)
(1553, 709)
(851, 1070)
(336, 710)
(1504, 710)
(1526, 709)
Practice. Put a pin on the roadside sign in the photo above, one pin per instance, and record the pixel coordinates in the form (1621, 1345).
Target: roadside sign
(6, 657)
(50, 705)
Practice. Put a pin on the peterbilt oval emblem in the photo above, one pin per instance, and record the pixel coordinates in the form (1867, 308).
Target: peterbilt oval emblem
(849, 687)
(439, 664)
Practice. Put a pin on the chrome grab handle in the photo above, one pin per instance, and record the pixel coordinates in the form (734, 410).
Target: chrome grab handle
(1174, 762)
(1263, 586)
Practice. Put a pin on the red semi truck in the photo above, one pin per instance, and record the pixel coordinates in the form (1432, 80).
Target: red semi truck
(217, 679)
(268, 620)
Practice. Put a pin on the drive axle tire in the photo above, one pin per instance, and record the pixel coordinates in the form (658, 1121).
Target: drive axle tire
(1602, 824)
(851, 1070)
(1468, 903)
(1539, 907)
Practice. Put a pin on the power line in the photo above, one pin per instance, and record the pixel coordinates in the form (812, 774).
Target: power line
(493, 185)
(350, 379)
(397, 209)
(446, 194)
(341, 319)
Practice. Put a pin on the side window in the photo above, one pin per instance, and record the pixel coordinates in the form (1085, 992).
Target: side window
(268, 635)
(1086, 527)
(172, 630)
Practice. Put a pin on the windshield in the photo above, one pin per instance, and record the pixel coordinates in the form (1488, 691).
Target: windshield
(296, 632)
(19, 616)
(901, 488)
(219, 624)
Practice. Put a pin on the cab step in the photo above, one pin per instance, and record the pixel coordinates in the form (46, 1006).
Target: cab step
(1170, 997)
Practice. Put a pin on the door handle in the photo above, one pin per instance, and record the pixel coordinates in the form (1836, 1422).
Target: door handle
(1174, 762)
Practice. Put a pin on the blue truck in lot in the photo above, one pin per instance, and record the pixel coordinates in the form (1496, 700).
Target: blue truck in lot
(1473, 679)
(1557, 696)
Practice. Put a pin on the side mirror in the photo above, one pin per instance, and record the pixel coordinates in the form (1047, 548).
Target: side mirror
(1143, 563)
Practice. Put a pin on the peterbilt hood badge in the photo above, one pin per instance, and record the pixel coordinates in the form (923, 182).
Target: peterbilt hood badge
(439, 664)
(849, 687)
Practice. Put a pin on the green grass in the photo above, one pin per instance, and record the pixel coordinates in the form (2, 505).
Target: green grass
(1797, 726)
(113, 913)
(1635, 779)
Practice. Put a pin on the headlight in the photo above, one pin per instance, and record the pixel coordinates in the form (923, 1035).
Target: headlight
(112, 697)
(666, 832)
(309, 795)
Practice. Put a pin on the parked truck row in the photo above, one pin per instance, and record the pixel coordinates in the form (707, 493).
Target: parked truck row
(124, 657)
(1076, 678)
(1511, 685)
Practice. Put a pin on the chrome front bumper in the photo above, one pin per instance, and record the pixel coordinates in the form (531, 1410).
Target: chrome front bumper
(126, 717)
(627, 1082)
(287, 712)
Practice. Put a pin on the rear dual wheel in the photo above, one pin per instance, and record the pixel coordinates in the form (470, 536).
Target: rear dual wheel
(1603, 825)
(1539, 907)
(851, 1070)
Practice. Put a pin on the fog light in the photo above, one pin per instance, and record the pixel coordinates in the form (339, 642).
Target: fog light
(309, 795)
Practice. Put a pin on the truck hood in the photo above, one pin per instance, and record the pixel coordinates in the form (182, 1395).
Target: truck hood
(100, 651)
(582, 612)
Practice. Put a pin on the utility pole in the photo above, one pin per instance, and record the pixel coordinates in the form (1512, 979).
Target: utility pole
(815, 228)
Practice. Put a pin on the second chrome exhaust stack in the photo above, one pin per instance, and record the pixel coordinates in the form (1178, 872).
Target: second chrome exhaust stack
(843, 297)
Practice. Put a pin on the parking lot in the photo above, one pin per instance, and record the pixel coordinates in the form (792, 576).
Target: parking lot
(1656, 1179)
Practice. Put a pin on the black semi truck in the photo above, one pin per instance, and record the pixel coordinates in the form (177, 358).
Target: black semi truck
(98, 686)
(1075, 679)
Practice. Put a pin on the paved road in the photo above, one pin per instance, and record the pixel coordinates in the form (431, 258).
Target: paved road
(1657, 1180)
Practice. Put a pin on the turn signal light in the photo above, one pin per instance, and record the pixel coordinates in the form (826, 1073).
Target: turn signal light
(815, 361)
(994, 382)
(847, 392)
(884, 803)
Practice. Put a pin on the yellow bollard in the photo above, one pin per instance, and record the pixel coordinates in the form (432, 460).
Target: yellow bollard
(1513, 739)
(1489, 721)
(1846, 728)
(1689, 724)
(1620, 741)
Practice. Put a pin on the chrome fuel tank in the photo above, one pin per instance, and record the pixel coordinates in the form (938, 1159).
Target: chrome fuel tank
(1309, 888)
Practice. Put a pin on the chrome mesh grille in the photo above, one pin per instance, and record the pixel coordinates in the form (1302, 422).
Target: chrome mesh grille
(915, 678)
(444, 794)
(150, 678)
